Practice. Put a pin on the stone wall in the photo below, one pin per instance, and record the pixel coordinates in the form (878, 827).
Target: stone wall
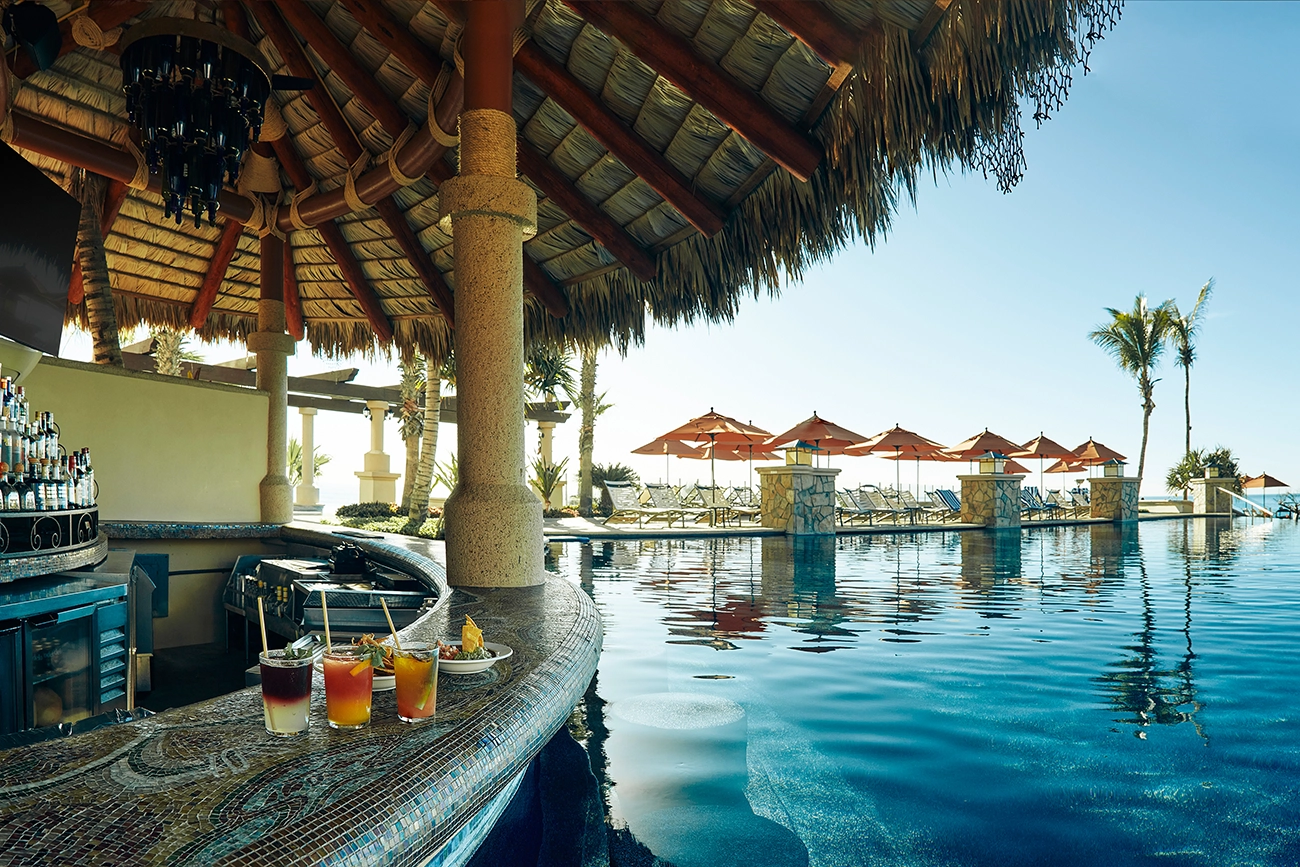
(1207, 498)
(798, 499)
(1114, 498)
(990, 500)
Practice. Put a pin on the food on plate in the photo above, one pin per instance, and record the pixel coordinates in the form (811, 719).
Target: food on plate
(471, 638)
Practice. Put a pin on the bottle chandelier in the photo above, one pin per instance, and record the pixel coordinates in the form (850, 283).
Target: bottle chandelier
(195, 92)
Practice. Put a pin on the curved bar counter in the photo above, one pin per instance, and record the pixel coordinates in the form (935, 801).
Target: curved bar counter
(205, 784)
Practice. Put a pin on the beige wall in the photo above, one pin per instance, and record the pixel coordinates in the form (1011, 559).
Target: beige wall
(194, 611)
(164, 448)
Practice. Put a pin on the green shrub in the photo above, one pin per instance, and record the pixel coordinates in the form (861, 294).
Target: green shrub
(368, 510)
(614, 473)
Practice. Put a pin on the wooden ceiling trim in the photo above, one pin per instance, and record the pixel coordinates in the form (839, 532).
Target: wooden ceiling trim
(394, 36)
(674, 58)
(630, 149)
(114, 197)
(813, 24)
(929, 21)
(544, 289)
(106, 13)
(221, 256)
(591, 218)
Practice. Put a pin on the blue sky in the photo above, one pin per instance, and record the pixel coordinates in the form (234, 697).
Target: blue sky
(1173, 161)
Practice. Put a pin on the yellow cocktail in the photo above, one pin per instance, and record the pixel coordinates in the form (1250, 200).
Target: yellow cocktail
(415, 667)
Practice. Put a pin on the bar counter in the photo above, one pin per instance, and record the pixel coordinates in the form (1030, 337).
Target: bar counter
(206, 785)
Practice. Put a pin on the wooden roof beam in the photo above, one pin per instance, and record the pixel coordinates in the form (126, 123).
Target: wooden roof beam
(591, 218)
(394, 121)
(633, 151)
(674, 58)
(292, 299)
(929, 21)
(106, 13)
(543, 288)
(217, 267)
(813, 24)
(114, 197)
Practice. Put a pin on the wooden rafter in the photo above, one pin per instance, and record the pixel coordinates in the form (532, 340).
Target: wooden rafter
(104, 13)
(114, 197)
(592, 219)
(413, 54)
(336, 55)
(738, 107)
(329, 231)
(929, 21)
(217, 266)
(632, 150)
(323, 41)
(542, 287)
(813, 24)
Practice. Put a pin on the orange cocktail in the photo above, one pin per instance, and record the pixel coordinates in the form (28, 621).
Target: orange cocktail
(415, 668)
(349, 678)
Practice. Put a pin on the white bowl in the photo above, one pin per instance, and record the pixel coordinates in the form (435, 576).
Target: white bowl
(474, 666)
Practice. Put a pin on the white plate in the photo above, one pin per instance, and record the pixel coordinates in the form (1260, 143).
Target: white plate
(381, 684)
(474, 666)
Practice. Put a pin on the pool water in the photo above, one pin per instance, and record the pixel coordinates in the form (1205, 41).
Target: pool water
(1084, 695)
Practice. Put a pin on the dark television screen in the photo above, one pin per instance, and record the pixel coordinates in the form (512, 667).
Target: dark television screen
(38, 238)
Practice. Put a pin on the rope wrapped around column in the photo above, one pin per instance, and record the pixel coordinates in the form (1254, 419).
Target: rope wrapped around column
(390, 157)
(274, 127)
(141, 179)
(263, 219)
(295, 205)
(87, 33)
(355, 202)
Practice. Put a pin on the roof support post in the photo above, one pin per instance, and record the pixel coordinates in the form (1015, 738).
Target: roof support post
(493, 521)
(273, 348)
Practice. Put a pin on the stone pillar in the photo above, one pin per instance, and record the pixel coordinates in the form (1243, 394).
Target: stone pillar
(1208, 497)
(990, 499)
(1114, 498)
(307, 494)
(378, 485)
(798, 499)
(273, 348)
(493, 521)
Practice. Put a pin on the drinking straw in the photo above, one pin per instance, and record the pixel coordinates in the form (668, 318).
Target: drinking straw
(261, 621)
(391, 627)
(325, 612)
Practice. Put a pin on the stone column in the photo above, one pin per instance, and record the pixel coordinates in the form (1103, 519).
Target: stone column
(493, 521)
(1114, 498)
(990, 499)
(1208, 497)
(307, 494)
(273, 348)
(378, 484)
(798, 499)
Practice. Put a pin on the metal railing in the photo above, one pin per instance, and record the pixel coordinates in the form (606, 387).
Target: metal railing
(1251, 505)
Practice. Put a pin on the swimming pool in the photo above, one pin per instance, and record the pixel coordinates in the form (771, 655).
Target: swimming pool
(1088, 695)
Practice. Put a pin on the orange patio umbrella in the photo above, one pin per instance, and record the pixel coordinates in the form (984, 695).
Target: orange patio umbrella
(1093, 453)
(667, 448)
(748, 452)
(825, 436)
(715, 428)
(981, 444)
(1013, 468)
(1042, 448)
(899, 441)
(938, 456)
(1264, 482)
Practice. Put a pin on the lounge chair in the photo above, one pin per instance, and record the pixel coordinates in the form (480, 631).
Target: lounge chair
(876, 498)
(744, 504)
(943, 510)
(1034, 503)
(664, 498)
(851, 509)
(627, 505)
(916, 508)
(949, 499)
(715, 500)
(1082, 504)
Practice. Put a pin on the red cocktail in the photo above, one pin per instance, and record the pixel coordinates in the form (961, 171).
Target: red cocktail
(349, 678)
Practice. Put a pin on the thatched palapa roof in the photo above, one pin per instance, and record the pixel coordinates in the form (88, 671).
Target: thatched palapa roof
(685, 152)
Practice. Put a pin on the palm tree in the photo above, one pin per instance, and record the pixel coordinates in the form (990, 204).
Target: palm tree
(295, 462)
(434, 373)
(171, 351)
(548, 371)
(412, 427)
(88, 188)
(1136, 340)
(1182, 337)
(587, 431)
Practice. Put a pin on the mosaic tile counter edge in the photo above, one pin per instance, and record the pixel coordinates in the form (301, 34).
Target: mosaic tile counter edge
(205, 785)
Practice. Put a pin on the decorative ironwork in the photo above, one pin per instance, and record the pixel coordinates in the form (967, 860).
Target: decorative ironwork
(26, 533)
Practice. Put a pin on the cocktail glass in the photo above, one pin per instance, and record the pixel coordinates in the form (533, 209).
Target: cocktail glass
(286, 692)
(415, 668)
(349, 679)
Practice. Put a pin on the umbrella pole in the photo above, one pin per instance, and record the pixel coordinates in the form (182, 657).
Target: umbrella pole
(713, 479)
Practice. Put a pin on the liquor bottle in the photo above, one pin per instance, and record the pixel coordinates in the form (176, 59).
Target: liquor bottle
(5, 486)
(47, 484)
(37, 489)
(74, 483)
(61, 485)
(5, 455)
(90, 478)
(52, 434)
(26, 495)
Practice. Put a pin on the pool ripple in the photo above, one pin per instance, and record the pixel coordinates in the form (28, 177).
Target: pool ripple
(1090, 695)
